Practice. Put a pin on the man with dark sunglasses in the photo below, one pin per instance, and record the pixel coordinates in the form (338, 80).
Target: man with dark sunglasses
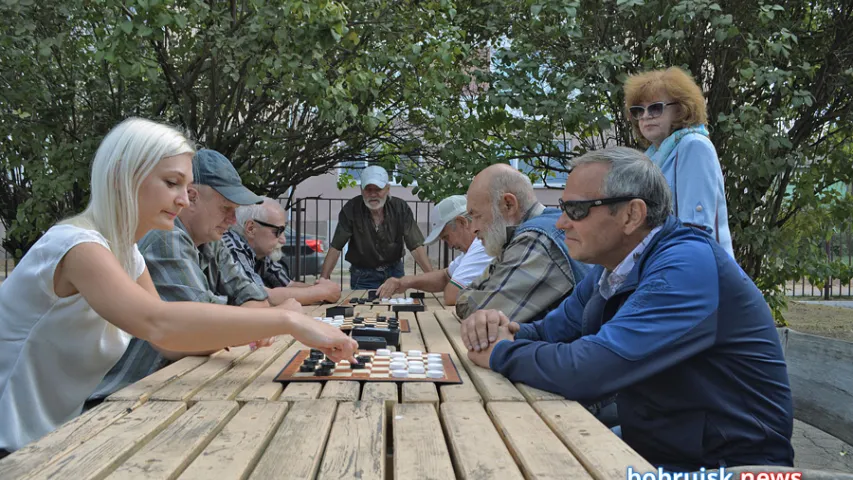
(255, 242)
(668, 322)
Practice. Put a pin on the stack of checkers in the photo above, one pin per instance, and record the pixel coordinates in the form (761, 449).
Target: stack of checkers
(398, 301)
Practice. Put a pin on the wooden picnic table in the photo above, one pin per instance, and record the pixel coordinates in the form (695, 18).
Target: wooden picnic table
(224, 417)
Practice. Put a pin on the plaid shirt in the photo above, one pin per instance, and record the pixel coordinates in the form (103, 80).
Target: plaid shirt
(264, 271)
(181, 273)
(529, 278)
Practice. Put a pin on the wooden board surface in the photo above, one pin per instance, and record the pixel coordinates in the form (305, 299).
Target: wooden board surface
(232, 382)
(420, 393)
(301, 391)
(341, 391)
(437, 342)
(476, 447)
(185, 387)
(603, 454)
(264, 387)
(99, 456)
(356, 447)
(142, 390)
(493, 386)
(296, 449)
(239, 446)
(536, 449)
(419, 447)
(532, 394)
(383, 392)
(411, 340)
(167, 454)
(39, 454)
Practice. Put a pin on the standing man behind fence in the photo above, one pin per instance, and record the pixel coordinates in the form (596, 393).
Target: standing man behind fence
(376, 225)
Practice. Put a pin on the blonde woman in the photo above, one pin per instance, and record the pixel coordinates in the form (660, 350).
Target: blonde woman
(667, 112)
(70, 307)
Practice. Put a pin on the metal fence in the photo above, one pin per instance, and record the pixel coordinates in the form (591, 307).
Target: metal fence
(313, 221)
(838, 248)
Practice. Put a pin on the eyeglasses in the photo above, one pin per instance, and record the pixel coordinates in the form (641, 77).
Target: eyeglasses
(278, 229)
(579, 209)
(653, 110)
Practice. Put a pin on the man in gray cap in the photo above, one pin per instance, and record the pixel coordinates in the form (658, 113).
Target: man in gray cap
(190, 263)
(450, 222)
(376, 225)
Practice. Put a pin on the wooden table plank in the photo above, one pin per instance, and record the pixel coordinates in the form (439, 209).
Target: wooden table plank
(232, 382)
(476, 447)
(411, 340)
(382, 391)
(493, 386)
(356, 447)
(238, 447)
(532, 394)
(420, 392)
(603, 454)
(361, 310)
(433, 302)
(264, 387)
(142, 390)
(533, 445)
(341, 390)
(39, 454)
(436, 341)
(301, 391)
(297, 447)
(99, 456)
(185, 387)
(419, 447)
(169, 453)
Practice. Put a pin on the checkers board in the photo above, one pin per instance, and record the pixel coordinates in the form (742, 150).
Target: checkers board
(374, 370)
(348, 324)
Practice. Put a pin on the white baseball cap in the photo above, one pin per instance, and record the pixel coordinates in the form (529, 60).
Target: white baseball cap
(374, 175)
(444, 213)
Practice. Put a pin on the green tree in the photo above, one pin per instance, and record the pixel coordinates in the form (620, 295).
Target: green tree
(778, 78)
(286, 89)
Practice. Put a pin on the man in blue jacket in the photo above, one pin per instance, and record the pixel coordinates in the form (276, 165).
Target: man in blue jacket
(668, 320)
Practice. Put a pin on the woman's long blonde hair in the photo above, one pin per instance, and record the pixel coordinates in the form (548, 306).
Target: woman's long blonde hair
(126, 156)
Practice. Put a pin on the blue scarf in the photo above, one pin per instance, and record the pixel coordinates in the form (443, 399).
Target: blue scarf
(659, 155)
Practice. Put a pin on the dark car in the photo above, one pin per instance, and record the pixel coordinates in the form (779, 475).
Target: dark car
(312, 253)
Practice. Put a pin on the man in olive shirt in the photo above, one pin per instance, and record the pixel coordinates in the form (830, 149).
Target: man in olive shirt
(376, 225)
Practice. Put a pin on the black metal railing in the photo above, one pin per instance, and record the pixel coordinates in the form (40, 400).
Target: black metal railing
(312, 220)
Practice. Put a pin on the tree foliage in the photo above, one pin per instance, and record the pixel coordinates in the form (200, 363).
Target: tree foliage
(286, 89)
(778, 78)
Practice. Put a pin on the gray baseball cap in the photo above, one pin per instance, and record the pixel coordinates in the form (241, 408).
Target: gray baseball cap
(211, 168)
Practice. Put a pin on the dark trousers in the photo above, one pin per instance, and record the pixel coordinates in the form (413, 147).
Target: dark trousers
(4, 453)
(372, 278)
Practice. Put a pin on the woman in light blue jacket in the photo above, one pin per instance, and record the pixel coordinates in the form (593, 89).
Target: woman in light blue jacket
(667, 112)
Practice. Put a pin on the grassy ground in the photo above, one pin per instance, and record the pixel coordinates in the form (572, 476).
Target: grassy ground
(820, 320)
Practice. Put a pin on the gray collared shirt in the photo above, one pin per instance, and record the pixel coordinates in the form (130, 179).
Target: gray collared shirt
(263, 271)
(182, 273)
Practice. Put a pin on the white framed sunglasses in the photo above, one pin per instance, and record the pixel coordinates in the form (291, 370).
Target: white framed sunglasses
(653, 110)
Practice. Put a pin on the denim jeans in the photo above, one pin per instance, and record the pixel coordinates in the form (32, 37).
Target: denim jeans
(371, 278)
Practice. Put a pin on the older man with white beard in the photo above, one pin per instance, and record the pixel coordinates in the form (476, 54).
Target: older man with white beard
(255, 242)
(531, 272)
(376, 226)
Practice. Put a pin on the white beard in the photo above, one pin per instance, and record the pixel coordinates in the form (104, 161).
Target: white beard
(276, 254)
(379, 207)
(494, 238)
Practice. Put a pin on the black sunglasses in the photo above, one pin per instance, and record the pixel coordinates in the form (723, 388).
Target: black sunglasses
(653, 110)
(579, 209)
(278, 230)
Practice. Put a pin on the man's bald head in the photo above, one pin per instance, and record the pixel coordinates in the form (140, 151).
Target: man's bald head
(498, 197)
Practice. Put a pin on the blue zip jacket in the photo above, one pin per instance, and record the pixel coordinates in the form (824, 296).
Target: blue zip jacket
(687, 342)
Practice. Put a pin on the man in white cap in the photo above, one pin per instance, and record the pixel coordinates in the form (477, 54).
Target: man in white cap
(376, 226)
(450, 222)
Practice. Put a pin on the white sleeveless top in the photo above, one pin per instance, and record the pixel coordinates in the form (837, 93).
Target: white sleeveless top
(53, 351)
